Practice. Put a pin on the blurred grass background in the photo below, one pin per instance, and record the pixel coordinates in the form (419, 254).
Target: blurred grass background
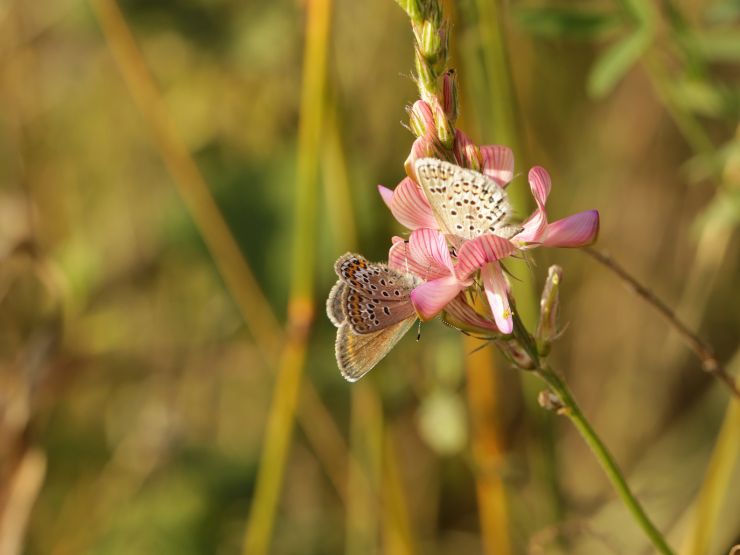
(138, 367)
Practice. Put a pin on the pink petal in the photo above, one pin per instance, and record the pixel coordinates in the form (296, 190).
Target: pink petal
(409, 205)
(387, 195)
(577, 230)
(425, 254)
(477, 252)
(429, 246)
(423, 147)
(422, 119)
(497, 293)
(540, 184)
(534, 226)
(461, 311)
(431, 297)
(498, 163)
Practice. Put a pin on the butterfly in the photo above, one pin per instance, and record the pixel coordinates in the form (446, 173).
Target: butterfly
(371, 308)
(466, 203)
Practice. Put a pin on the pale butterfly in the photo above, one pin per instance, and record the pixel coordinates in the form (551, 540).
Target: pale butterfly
(371, 308)
(466, 203)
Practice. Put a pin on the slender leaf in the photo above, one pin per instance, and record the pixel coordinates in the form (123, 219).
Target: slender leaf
(616, 62)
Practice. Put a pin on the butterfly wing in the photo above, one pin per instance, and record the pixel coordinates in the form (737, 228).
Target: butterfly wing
(375, 281)
(466, 203)
(334, 309)
(357, 354)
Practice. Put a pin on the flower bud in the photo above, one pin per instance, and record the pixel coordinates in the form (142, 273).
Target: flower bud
(547, 328)
(515, 352)
(445, 131)
(429, 40)
(450, 101)
(421, 119)
(466, 153)
(549, 401)
(425, 76)
(412, 7)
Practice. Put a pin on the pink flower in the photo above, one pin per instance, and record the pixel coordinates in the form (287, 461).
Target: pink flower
(577, 230)
(427, 252)
(427, 255)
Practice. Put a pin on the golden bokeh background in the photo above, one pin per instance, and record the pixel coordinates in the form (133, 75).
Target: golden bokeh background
(134, 399)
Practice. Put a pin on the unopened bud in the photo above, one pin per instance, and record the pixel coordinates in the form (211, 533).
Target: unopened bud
(425, 76)
(429, 40)
(412, 8)
(450, 102)
(466, 153)
(549, 401)
(547, 328)
(515, 352)
(445, 131)
(421, 119)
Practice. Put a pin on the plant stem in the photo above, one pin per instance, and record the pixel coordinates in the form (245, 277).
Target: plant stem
(572, 411)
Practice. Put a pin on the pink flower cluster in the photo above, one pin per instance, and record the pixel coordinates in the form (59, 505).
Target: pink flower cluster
(447, 264)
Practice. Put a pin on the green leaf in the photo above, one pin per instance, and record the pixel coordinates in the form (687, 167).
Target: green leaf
(568, 24)
(616, 62)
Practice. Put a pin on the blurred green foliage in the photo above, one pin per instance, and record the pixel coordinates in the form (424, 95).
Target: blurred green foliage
(125, 361)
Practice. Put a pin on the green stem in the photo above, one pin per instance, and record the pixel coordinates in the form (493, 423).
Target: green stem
(572, 411)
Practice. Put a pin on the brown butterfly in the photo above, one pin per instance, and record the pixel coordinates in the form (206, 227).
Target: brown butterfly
(371, 308)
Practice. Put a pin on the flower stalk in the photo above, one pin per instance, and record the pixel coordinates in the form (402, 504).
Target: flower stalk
(602, 454)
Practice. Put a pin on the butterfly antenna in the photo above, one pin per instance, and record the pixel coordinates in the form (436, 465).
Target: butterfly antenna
(418, 331)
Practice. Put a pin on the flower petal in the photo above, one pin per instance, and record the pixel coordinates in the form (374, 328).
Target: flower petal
(497, 293)
(387, 195)
(534, 227)
(431, 297)
(577, 230)
(425, 254)
(498, 163)
(540, 184)
(409, 205)
(477, 252)
(459, 311)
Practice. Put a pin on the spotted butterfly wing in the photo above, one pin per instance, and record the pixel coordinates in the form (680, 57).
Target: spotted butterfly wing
(466, 203)
(370, 305)
(374, 296)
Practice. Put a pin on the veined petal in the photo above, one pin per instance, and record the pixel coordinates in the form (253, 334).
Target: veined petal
(540, 184)
(498, 163)
(534, 227)
(497, 293)
(477, 252)
(461, 312)
(425, 254)
(431, 297)
(409, 205)
(429, 247)
(577, 230)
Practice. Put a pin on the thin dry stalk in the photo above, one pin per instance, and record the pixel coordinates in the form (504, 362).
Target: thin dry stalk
(702, 350)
